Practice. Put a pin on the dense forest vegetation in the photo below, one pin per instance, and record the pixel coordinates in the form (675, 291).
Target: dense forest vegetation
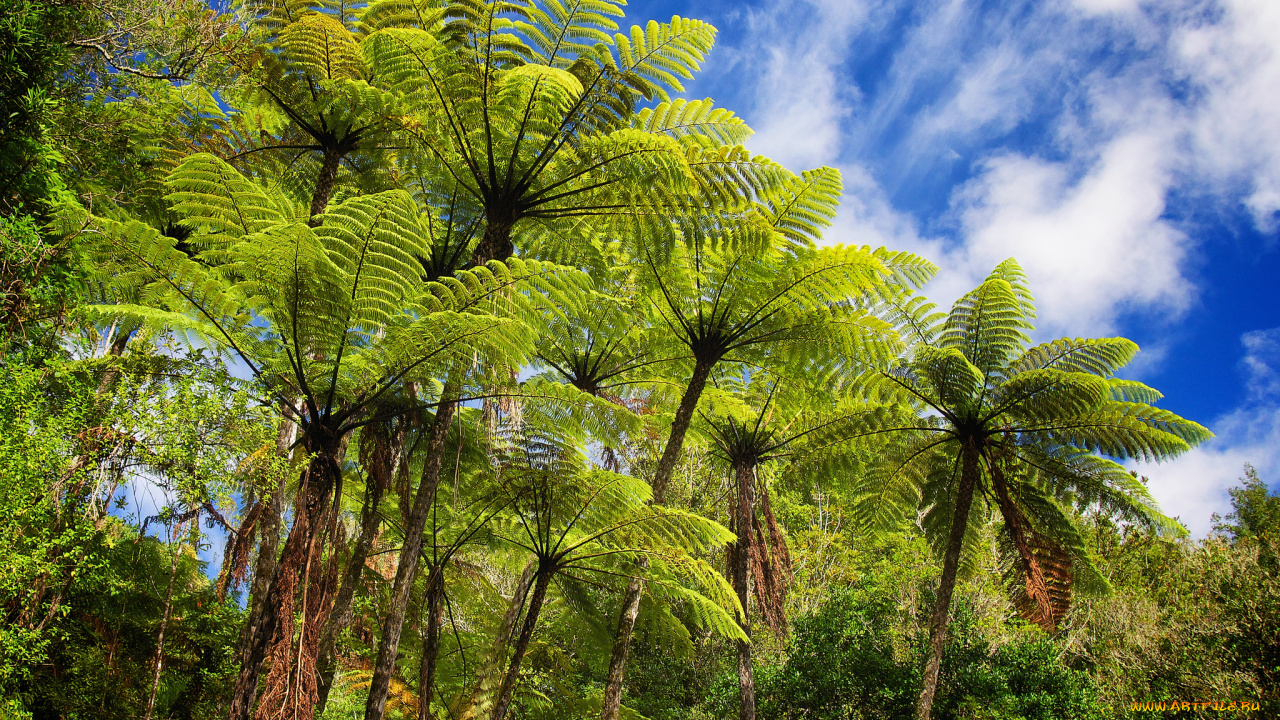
(439, 359)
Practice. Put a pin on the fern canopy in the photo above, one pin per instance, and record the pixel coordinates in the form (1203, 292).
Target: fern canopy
(1043, 427)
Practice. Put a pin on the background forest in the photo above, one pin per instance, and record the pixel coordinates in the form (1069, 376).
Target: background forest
(440, 359)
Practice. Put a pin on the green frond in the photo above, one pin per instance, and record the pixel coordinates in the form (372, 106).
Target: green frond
(1133, 391)
(608, 422)
(730, 177)
(220, 205)
(558, 32)
(803, 206)
(1042, 395)
(696, 121)
(321, 46)
(654, 59)
(383, 14)
(907, 270)
(988, 325)
(1102, 357)
(890, 492)
(954, 380)
(1123, 430)
(1087, 481)
(917, 320)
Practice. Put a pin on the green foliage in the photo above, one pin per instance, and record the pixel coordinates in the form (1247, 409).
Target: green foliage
(101, 664)
(1256, 511)
(859, 655)
(83, 591)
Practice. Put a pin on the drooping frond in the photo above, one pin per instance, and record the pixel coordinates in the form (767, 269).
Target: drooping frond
(890, 492)
(220, 205)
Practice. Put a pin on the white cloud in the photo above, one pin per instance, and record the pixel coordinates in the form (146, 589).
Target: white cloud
(1098, 7)
(802, 103)
(1233, 59)
(1090, 246)
(1185, 99)
(1194, 486)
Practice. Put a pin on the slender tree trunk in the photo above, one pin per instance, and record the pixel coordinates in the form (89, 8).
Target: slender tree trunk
(164, 625)
(611, 705)
(951, 562)
(490, 674)
(680, 426)
(431, 645)
(411, 549)
(522, 643)
(741, 570)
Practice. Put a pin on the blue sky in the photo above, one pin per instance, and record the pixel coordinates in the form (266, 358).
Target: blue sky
(1126, 153)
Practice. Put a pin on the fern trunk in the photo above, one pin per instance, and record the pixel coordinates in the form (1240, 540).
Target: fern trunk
(431, 644)
(612, 702)
(740, 567)
(679, 427)
(407, 567)
(340, 615)
(496, 243)
(268, 558)
(315, 490)
(325, 181)
(522, 643)
(946, 586)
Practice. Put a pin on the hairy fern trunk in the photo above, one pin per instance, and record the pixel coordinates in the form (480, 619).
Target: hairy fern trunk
(325, 181)
(264, 569)
(275, 623)
(938, 621)
(496, 242)
(340, 616)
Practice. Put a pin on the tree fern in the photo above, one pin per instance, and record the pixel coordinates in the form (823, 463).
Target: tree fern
(1035, 432)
